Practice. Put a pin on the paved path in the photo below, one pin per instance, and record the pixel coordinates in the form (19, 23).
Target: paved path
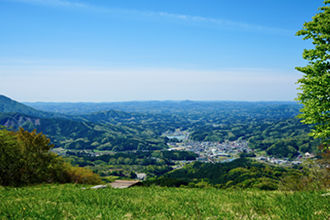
(121, 184)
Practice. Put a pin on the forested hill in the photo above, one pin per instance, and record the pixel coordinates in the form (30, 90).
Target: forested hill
(240, 173)
(148, 123)
(8, 105)
(267, 126)
(75, 133)
(83, 135)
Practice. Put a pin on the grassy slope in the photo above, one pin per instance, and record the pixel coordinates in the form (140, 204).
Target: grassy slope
(71, 201)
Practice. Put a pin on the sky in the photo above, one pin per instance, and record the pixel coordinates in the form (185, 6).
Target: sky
(115, 50)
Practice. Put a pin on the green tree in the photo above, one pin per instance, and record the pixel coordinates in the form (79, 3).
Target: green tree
(9, 158)
(315, 84)
(25, 158)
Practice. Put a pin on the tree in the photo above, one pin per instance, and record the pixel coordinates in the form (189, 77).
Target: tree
(9, 158)
(315, 84)
(25, 158)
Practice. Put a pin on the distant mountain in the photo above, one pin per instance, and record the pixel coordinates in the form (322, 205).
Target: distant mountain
(75, 132)
(8, 105)
(161, 107)
(267, 126)
(151, 123)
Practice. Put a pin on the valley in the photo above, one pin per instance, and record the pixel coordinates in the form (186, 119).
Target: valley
(164, 109)
(153, 139)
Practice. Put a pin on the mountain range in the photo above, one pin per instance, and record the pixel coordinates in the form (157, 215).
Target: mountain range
(75, 132)
(125, 126)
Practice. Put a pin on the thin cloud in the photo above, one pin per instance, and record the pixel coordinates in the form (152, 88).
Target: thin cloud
(220, 22)
(187, 19)
(95, 84)
(55, 3)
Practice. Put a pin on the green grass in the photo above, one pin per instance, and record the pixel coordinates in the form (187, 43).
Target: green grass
(72, 202)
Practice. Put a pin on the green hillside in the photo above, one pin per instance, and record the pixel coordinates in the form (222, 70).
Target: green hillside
(266, 126)
(74, 134)
(73, 202)
(148, 123)
(8, 105)
(240, 173)
(78, 132)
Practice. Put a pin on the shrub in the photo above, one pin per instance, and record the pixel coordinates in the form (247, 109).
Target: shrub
(82, 175)
(315, 175)
(25, 158)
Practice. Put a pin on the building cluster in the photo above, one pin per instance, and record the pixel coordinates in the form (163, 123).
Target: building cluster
(213, 151)
(226, 151)
(286, 161)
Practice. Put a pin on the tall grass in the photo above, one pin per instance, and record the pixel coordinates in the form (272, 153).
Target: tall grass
(72, 202)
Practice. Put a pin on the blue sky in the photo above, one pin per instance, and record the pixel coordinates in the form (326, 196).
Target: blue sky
(115, 50)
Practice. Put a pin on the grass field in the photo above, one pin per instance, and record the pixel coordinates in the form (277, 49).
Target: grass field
(73, 202)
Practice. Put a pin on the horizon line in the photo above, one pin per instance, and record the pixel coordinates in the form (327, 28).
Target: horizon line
(154, 100)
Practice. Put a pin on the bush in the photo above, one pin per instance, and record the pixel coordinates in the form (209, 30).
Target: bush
(315, 175)
(82, 175)
(266, 184)
(25, 158)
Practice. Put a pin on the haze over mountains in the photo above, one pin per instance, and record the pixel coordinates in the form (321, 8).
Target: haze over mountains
(151, 106)
(122, 126)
